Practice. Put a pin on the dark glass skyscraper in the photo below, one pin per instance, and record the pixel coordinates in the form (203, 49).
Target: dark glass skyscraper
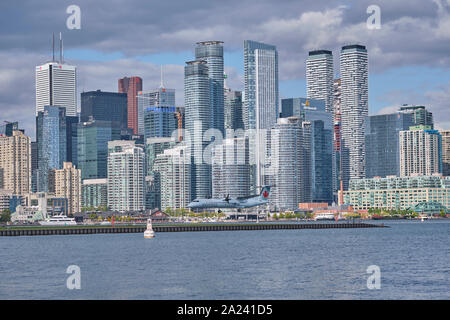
(382, 153)
(104, 106)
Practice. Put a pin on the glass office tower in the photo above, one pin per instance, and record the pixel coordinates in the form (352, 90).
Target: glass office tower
(92, 147)
(382, 144)
(321, 144)
(212, 53)
(198, 119)
(51, 139)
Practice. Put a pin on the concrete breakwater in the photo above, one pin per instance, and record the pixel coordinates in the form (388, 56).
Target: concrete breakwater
(39, 231)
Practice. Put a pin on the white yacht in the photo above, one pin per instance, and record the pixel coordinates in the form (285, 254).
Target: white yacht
(324, 216)
(149, 233)
(58, 220)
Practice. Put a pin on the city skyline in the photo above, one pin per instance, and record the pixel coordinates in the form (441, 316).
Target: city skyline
(391, 62)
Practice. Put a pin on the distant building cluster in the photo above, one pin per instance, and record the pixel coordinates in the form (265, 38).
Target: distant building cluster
(135, 150)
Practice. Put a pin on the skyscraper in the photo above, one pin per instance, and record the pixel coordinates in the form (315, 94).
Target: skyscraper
(261, 100)
(56, 86)
(92, 147)
(354, 110)
(337, 136)
(231, 168)
(261, 85)
(198, 120)
(286, 163)
(420, 151)
(131, 86)
(104, 106)
(319, 77)
(51, 138)
(157, 113)
(233, 110)
(15, 163)
(421, 116)
(174, 169)
(445, 152)
(212, 53)
(126, 176)
(382, 151)
(321, 144)
(154, 147)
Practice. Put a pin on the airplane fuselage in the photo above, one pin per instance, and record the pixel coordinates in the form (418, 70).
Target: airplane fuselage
(230, 204)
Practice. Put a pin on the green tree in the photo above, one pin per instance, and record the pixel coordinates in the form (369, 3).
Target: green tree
(5, 216)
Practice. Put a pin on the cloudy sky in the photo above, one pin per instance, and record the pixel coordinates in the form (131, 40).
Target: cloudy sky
(409, 56)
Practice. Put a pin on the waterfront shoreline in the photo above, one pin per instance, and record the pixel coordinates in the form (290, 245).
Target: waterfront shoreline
(73, 230)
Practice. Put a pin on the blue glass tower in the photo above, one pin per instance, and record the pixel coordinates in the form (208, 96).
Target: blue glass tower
(382, 144)
(51, 138)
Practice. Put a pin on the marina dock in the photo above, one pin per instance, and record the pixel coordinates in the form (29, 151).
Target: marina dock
(74, 230)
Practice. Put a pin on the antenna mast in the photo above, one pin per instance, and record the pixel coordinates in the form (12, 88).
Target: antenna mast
(60, 48)
(53, 47)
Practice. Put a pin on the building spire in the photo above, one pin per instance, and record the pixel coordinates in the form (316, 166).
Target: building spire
(161, 84)
(53, 47)
(60, 47)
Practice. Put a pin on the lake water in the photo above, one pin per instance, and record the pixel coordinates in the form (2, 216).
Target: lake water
(413, 258)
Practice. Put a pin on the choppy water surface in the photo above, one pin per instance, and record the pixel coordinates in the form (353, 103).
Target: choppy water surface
(413, 257)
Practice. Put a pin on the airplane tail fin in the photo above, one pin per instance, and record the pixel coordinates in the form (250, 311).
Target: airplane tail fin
(265, 192)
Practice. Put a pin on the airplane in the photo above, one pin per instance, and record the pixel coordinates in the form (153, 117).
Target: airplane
(233, 203)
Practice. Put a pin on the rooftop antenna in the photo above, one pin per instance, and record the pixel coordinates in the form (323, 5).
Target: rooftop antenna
(53, 47)
(60, 48)
(161, 85)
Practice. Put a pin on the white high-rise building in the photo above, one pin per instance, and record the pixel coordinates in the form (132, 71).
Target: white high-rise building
(261, 105)
(231, 168)
(287, 164)
(126, 176)
(174, 167)
(420, 151)
(354, 110)
(319, 77)
(56, 85)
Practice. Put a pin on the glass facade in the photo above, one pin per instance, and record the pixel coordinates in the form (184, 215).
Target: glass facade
(92, 147)
(233, 110)
(104, 106)
(382, 144)
(95, 193)
(151, 105)
(198, 120)
(51, 141)
(154, 147)
(321, 142)
(212, 53)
